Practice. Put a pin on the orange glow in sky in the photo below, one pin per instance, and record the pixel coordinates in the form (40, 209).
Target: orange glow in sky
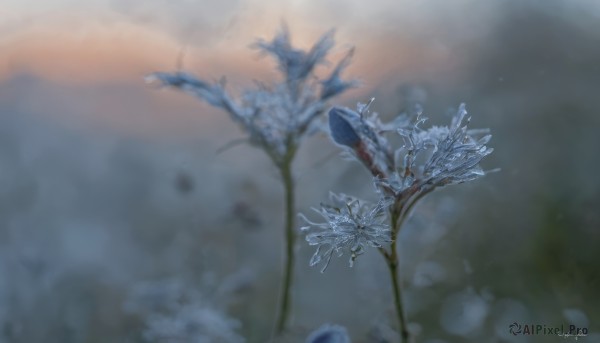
(86, 44)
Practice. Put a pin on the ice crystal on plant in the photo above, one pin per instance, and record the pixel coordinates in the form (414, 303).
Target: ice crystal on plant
(456, 151)
(428, 159)
(275, 117)
(329, 334)
(350, 224)
(294, 63)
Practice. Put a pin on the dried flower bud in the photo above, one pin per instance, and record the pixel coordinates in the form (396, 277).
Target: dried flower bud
(342, 131)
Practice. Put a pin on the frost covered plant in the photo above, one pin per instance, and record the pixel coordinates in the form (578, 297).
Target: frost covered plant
(174, 312)
(349, 225)
(428, 159)
(277, 117)
(192, 324)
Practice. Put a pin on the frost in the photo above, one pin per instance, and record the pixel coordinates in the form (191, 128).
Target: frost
(428, 159)
(454, 155)
(275, 117)
(295, 63)
(350, 224)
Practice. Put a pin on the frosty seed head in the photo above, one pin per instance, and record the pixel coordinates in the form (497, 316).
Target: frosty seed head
(350, 226)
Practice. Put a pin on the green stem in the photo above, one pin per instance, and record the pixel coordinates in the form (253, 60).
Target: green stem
(393, 263)
(290, 239)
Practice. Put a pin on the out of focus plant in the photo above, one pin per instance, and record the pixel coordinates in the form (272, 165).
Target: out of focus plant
(329, 334)
(429, 159)
(277, 117)
(175, 312)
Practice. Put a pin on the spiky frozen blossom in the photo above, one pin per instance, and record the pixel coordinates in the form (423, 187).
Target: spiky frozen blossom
(451, 153)
(329, 334)
(278, 116)
(455, 156)
(428, 159)
(350, 224)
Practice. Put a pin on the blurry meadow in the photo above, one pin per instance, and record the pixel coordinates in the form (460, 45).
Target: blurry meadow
(121, 220)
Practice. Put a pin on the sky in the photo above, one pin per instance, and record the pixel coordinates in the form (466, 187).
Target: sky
(73, 48)
(99, 39)
(81, 41)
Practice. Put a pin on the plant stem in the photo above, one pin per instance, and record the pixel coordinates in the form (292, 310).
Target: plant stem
(290, 239)
(393, 263)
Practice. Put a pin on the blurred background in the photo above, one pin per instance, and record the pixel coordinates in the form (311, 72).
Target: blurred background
(120, 222)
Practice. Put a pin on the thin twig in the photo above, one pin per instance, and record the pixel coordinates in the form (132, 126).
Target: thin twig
(290, 240)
